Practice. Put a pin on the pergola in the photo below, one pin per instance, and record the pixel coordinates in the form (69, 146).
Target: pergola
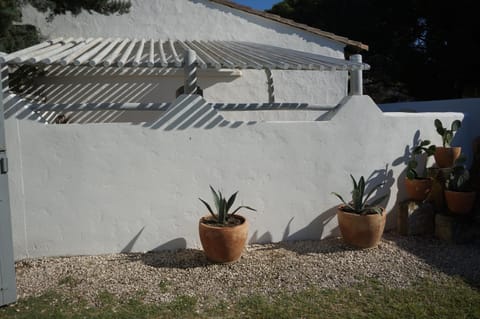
(189, 55)
(157, 53)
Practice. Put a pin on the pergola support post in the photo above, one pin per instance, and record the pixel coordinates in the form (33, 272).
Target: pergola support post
(190, 68)
(271, 87)
(356, 76)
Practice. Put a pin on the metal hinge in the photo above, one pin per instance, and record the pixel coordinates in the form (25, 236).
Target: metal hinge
(3, 162)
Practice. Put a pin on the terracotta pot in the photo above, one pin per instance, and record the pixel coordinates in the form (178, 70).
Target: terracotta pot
(418, 189)
(364, 231)
(445, 156)
(223, 244)
(460, 202)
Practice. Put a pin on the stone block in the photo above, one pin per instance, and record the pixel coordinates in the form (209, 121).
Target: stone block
(415, 218)
(456, 229)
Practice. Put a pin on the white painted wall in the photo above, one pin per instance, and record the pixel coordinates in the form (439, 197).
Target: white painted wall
(103, 188)
(469, 107)
(193, 19)
(183, 20)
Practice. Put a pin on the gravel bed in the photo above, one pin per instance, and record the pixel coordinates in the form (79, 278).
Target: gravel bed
(265, 269)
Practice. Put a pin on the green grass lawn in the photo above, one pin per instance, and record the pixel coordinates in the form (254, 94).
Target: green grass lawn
(451, 299)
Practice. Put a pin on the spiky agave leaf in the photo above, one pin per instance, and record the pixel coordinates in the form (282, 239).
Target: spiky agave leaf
(357, 194)
(340, 197)
(208, 207)
(240, 207)
(359, 205)
(231, 200)
(216, 198)
(223, 207)
(354, 181)
(372, 191)
(361, 186)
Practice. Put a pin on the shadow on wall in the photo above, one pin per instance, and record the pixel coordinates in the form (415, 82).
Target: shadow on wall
(403, 161)
(128, 248)
(383, 176)
(70, 85)
(313, 231)
(188, 111)
(192, 111)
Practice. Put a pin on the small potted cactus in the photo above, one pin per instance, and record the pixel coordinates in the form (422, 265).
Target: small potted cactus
(459, 195)
(446, 155)
(223, 235)
(361, 223)
(417, 184)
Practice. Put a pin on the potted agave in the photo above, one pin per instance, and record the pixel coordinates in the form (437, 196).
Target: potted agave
(223, 235)
(458, 192)
(361, 223)
(417, 184)
(446, 155)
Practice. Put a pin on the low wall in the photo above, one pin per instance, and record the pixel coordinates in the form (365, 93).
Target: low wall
(117, 187)
(469, 107)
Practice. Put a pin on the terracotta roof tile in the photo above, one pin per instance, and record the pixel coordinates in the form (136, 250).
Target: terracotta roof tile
(292, 23)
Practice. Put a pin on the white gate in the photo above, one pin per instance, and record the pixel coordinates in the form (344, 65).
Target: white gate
(7, 269)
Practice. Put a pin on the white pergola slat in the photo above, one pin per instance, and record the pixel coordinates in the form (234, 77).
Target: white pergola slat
(169, 53)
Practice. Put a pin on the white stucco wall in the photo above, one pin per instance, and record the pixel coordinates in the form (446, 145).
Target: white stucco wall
(197, 19)
(103, 188)
(469, 107)
(183, 20)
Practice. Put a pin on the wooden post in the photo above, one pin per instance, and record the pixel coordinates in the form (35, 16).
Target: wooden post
(356, 76)
(190, 68)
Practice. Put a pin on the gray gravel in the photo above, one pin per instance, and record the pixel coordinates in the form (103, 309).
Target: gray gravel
(287, 267)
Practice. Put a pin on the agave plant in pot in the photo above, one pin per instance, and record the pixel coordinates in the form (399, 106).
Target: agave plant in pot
(446, 155)
(459, 194)
(223, 235)
(417, 184)
(361, 222)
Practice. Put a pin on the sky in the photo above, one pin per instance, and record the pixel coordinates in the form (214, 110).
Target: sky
(258, 4)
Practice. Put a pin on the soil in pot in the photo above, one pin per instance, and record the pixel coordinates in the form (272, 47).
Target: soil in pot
(223, 244)
(363, 231)
(418, 189)
(460, 202)
(445, 156)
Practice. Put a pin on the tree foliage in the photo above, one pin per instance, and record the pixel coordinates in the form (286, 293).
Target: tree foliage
(419, 49)
(15, 36)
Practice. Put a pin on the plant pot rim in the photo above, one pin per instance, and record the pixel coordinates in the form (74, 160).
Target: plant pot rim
(207, 217)
(340, 208)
